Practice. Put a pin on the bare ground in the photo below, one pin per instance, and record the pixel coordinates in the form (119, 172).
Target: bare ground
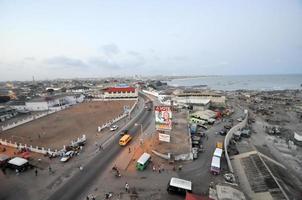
(58, 129)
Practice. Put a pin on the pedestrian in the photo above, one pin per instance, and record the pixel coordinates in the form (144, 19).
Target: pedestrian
(154, 168)
(49, 169)
(159, 170)
(36, 172)
(81, 168)
(87, 198)
(129, 150)
(127, 187)
(17, 172)
(101, 148)
(3, 170)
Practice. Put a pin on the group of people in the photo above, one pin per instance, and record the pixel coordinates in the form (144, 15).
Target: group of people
(159, 169)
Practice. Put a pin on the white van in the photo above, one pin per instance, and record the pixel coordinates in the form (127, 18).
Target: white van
(180, 186)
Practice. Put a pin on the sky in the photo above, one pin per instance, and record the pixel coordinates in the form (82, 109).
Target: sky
(93, 38)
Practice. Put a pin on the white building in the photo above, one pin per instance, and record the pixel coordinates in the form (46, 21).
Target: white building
(45, 103)
(78, 89)
(201, 98)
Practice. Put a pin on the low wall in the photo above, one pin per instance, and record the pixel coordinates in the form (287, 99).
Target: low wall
(31, 118)
(36, 149)
(151, 93)
(113, 99)
(229, 136)
(41, 150)
(109, 123)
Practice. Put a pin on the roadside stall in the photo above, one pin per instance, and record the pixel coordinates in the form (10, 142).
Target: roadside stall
(18, 163)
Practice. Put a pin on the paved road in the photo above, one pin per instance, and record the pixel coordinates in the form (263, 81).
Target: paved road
(77, 186)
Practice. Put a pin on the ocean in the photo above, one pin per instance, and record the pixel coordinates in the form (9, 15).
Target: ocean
(243, 82)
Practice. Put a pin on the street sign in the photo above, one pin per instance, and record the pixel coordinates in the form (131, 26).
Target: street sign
(164, 137)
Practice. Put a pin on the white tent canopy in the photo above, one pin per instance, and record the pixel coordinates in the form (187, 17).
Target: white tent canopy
(18, 161)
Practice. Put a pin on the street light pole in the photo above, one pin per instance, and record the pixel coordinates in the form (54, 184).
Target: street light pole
(141, 133)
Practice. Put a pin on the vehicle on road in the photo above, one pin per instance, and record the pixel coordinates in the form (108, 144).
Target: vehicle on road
(125, 140)
(215, 165)
(219, 145)
(124, 132)
(239, 119)
(246, 133)
(143, 161)
(179, 186)
(223, 132)
(113, 127)
(237, 136)
(195, 152)
(228, 126)
(218, 152)
(67, 156)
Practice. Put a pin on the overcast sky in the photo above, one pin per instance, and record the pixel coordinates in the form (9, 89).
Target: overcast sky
(63, 39)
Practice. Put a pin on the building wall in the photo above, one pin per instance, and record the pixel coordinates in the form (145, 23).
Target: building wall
(216, 100)
(121, 95)
(36, 106)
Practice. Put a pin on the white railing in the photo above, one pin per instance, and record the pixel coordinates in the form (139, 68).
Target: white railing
(31, 118)
(110, 122)
(229, 136)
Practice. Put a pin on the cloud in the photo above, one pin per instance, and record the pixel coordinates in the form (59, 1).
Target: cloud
(110, 49)
(104, 63)
(65, 62)
(114, 59)
(30, 58)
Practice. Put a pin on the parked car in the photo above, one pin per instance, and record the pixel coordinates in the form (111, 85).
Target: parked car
(239, 119)
(67, 156)
(113, 127)
(228, 126)
(223, 132)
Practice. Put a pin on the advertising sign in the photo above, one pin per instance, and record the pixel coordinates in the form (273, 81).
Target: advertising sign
(163, 118)
(164, 137)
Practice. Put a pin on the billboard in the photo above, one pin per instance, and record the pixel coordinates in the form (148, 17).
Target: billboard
(163, 118)
(164, 137)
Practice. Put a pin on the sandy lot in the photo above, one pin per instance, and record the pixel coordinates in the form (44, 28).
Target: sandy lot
(60, 128)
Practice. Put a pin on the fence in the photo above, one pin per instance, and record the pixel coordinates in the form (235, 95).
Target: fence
(229, 136)
(31, 118)
(20, 146)
(41, 150)
(109, 123)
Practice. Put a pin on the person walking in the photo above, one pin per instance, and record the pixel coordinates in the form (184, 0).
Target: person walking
(127, 187)
(49, 170)
(36, 172)
(129, 150)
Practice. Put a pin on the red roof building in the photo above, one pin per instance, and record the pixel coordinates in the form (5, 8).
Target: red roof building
(120, 92)
(120, 89)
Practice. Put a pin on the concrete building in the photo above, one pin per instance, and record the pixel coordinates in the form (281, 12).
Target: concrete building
(78, 89)
(45, 103)
(120, 92)
(7, 113)
(200, 98)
